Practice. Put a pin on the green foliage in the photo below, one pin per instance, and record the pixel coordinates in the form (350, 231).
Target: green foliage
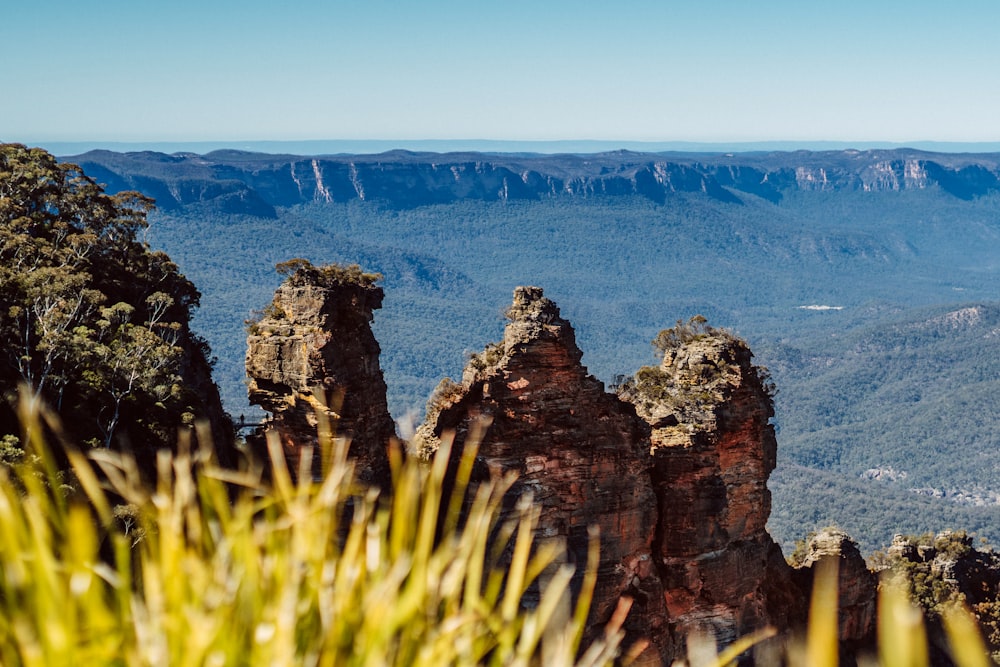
(218, 567)
(91, 319)
(690, 388)
(11, 452)
(490, 355)
(798, 556)
(942, 571)
(902, 635)
(683, 333)
(302, 272)
(930, 584)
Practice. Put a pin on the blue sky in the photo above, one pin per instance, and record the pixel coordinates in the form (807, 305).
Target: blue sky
(706, 70)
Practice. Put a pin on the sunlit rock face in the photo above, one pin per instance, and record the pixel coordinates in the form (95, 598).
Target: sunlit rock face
(672, 470)
(712, 449)
(312, 356)
(581, 453)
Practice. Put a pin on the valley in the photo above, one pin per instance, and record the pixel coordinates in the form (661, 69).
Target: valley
(897, 373)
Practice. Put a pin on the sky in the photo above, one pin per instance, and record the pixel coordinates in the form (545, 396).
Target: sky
(539, 70)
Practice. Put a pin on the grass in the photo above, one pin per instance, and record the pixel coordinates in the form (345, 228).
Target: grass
(215, 567)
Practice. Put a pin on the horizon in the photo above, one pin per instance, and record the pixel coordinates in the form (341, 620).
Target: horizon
(320, 147)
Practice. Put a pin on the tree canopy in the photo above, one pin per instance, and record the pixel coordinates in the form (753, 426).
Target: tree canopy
(91, 319)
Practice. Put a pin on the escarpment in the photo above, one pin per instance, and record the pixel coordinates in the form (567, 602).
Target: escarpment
(313, 354)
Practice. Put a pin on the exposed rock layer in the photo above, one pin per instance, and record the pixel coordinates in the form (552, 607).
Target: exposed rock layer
(249, 183)
(580, 452)
(313, 353)
(857, 585)
(679, 489)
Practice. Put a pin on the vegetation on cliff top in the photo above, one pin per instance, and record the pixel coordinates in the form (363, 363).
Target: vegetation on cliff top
(301, 272)
(700, 381)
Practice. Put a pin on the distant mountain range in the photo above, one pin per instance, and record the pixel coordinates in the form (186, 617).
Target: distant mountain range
(240, 182)
(835, 265)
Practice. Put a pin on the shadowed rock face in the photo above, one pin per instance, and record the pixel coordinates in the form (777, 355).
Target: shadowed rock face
(314, 353)
(857, 586)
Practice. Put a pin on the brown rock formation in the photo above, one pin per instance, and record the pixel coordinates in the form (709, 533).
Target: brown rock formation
(580, 452)
(712, 451)
(313, 352)
(945, 568)
(679, 489)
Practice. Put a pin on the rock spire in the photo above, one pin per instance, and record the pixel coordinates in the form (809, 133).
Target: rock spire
(313, 352)
(673, 471)
(579, 451)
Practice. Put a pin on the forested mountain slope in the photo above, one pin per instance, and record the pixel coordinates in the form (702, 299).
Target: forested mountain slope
(834, 266)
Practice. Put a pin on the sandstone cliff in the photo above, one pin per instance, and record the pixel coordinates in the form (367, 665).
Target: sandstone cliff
(312, 353)
(712, 449)
(580, 452)
(237, 182)
(679, 489)
(857, 586)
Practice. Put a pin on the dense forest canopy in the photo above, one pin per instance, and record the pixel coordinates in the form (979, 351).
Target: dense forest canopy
(93, 321)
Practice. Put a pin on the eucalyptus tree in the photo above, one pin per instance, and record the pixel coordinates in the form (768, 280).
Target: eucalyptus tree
(91, 319)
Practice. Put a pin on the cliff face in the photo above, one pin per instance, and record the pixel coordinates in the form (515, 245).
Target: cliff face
(313, 351)
(712, 449)
(678, 488)
(857, 586)
(254, 184)
(580, 452)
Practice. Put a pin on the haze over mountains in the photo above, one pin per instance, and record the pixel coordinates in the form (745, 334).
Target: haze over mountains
(370, 146)
(866, 280)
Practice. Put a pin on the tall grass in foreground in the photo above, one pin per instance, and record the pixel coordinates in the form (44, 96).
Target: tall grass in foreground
(215, 567)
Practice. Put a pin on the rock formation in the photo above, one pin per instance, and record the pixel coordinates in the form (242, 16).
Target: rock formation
(712, 450)
(313, 353)
(678, 489)
(945, 568)
(579, 451)
(857, 585)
